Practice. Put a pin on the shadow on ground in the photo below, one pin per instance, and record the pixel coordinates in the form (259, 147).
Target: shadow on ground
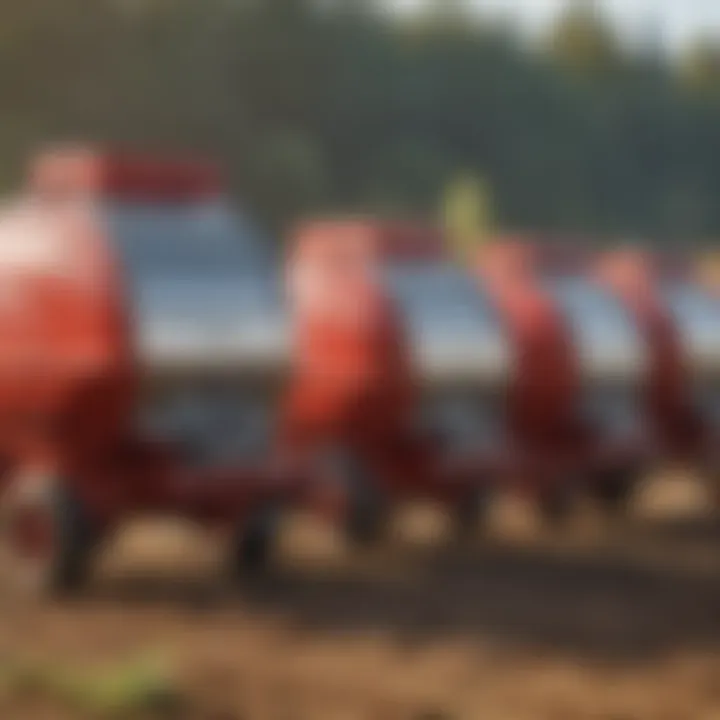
(604, 602)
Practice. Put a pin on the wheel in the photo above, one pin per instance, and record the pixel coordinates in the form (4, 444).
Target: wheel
(612, 491)
(46, 539)
(365, 518)
(556, 505)
(254, 542)
(712, 480)
(470, 512)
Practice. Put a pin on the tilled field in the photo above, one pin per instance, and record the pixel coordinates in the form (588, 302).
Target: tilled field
(599, 622)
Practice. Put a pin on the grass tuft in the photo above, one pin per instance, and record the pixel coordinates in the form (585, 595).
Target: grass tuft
(138, 689)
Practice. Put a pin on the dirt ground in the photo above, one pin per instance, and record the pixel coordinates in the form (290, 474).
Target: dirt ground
(601, 621)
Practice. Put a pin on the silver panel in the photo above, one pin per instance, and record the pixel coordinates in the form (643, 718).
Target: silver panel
(206, 325)
(609, 344)
(455, 336)
(697, 317)
(616, 409)
(612, 354)
(211, 327)
(466, 421)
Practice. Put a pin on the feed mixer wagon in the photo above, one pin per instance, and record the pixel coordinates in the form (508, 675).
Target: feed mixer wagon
(402, 366)
(144, 354)
(575, 420)
(675, 305)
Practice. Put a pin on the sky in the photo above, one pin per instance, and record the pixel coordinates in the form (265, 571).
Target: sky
(674, 22)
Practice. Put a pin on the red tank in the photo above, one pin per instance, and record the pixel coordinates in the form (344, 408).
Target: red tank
(562, 438)
(370, 368)
(127, 318)
(647, 284)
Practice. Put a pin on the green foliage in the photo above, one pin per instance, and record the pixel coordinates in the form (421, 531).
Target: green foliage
(140, 688)
(700, 68)
(582, 41)
(467, 214)
(285, 177)
(332, 104)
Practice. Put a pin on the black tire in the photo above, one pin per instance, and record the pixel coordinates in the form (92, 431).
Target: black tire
(365, 519)
(613, 491)
(62, 568)
(556, 505)
(713, 488)
(471, 513)
(254, 543)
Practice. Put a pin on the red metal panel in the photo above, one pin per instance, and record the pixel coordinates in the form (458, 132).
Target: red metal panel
(634, 276)
(121, 175)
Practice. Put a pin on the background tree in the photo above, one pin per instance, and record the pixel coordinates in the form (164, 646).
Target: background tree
(334, 105)
(583, 42)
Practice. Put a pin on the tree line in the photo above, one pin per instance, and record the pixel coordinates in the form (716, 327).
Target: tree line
(338, 106)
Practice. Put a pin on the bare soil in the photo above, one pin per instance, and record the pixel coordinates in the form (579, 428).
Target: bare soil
(598, 621)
